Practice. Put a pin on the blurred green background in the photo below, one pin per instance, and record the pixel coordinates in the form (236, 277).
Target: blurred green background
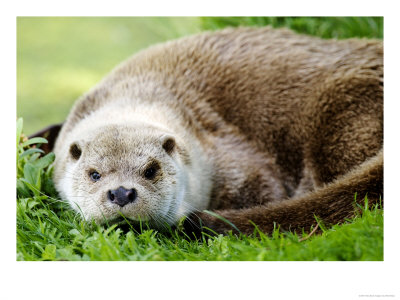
(60, 58)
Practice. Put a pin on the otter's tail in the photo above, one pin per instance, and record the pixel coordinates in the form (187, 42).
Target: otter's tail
(332, 203)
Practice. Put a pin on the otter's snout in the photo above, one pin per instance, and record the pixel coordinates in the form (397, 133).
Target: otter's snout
(122, 196)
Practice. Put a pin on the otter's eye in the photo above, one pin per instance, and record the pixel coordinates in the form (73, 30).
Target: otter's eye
(150, 173)
(95, 176)
(151, 170)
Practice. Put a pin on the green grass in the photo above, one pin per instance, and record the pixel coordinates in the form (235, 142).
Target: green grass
(44, 235)
(58, 60)
(325, 27)
(48, 230)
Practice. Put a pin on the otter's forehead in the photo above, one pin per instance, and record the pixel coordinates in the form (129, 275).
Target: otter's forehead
(119, 144)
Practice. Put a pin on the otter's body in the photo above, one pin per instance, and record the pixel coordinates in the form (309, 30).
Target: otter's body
(258, 124)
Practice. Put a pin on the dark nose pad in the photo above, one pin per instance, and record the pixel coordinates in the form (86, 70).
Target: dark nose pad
(122, 196)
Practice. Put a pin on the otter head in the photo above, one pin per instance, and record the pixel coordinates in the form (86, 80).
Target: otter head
(117, 170)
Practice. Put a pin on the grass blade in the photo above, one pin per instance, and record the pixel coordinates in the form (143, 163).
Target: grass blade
(35, 140)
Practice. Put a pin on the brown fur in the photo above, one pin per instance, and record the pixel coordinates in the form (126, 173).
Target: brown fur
(293, 124)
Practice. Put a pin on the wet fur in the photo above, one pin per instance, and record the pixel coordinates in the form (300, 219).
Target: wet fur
(291, 125)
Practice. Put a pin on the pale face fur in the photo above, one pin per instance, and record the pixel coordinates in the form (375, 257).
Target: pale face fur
(121, 154)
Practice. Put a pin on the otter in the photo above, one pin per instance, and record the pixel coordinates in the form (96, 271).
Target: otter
(261, 126)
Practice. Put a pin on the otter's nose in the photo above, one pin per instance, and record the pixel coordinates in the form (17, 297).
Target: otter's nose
(122, 196)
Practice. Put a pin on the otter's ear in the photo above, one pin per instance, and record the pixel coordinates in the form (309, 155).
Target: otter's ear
(168, 143)
(75, 151)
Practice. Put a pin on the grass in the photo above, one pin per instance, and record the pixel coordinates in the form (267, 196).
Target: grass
(44, 235)
(324, 27)
(52, 72)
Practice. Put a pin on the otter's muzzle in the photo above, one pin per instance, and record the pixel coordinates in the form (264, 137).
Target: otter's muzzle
(122, 196)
